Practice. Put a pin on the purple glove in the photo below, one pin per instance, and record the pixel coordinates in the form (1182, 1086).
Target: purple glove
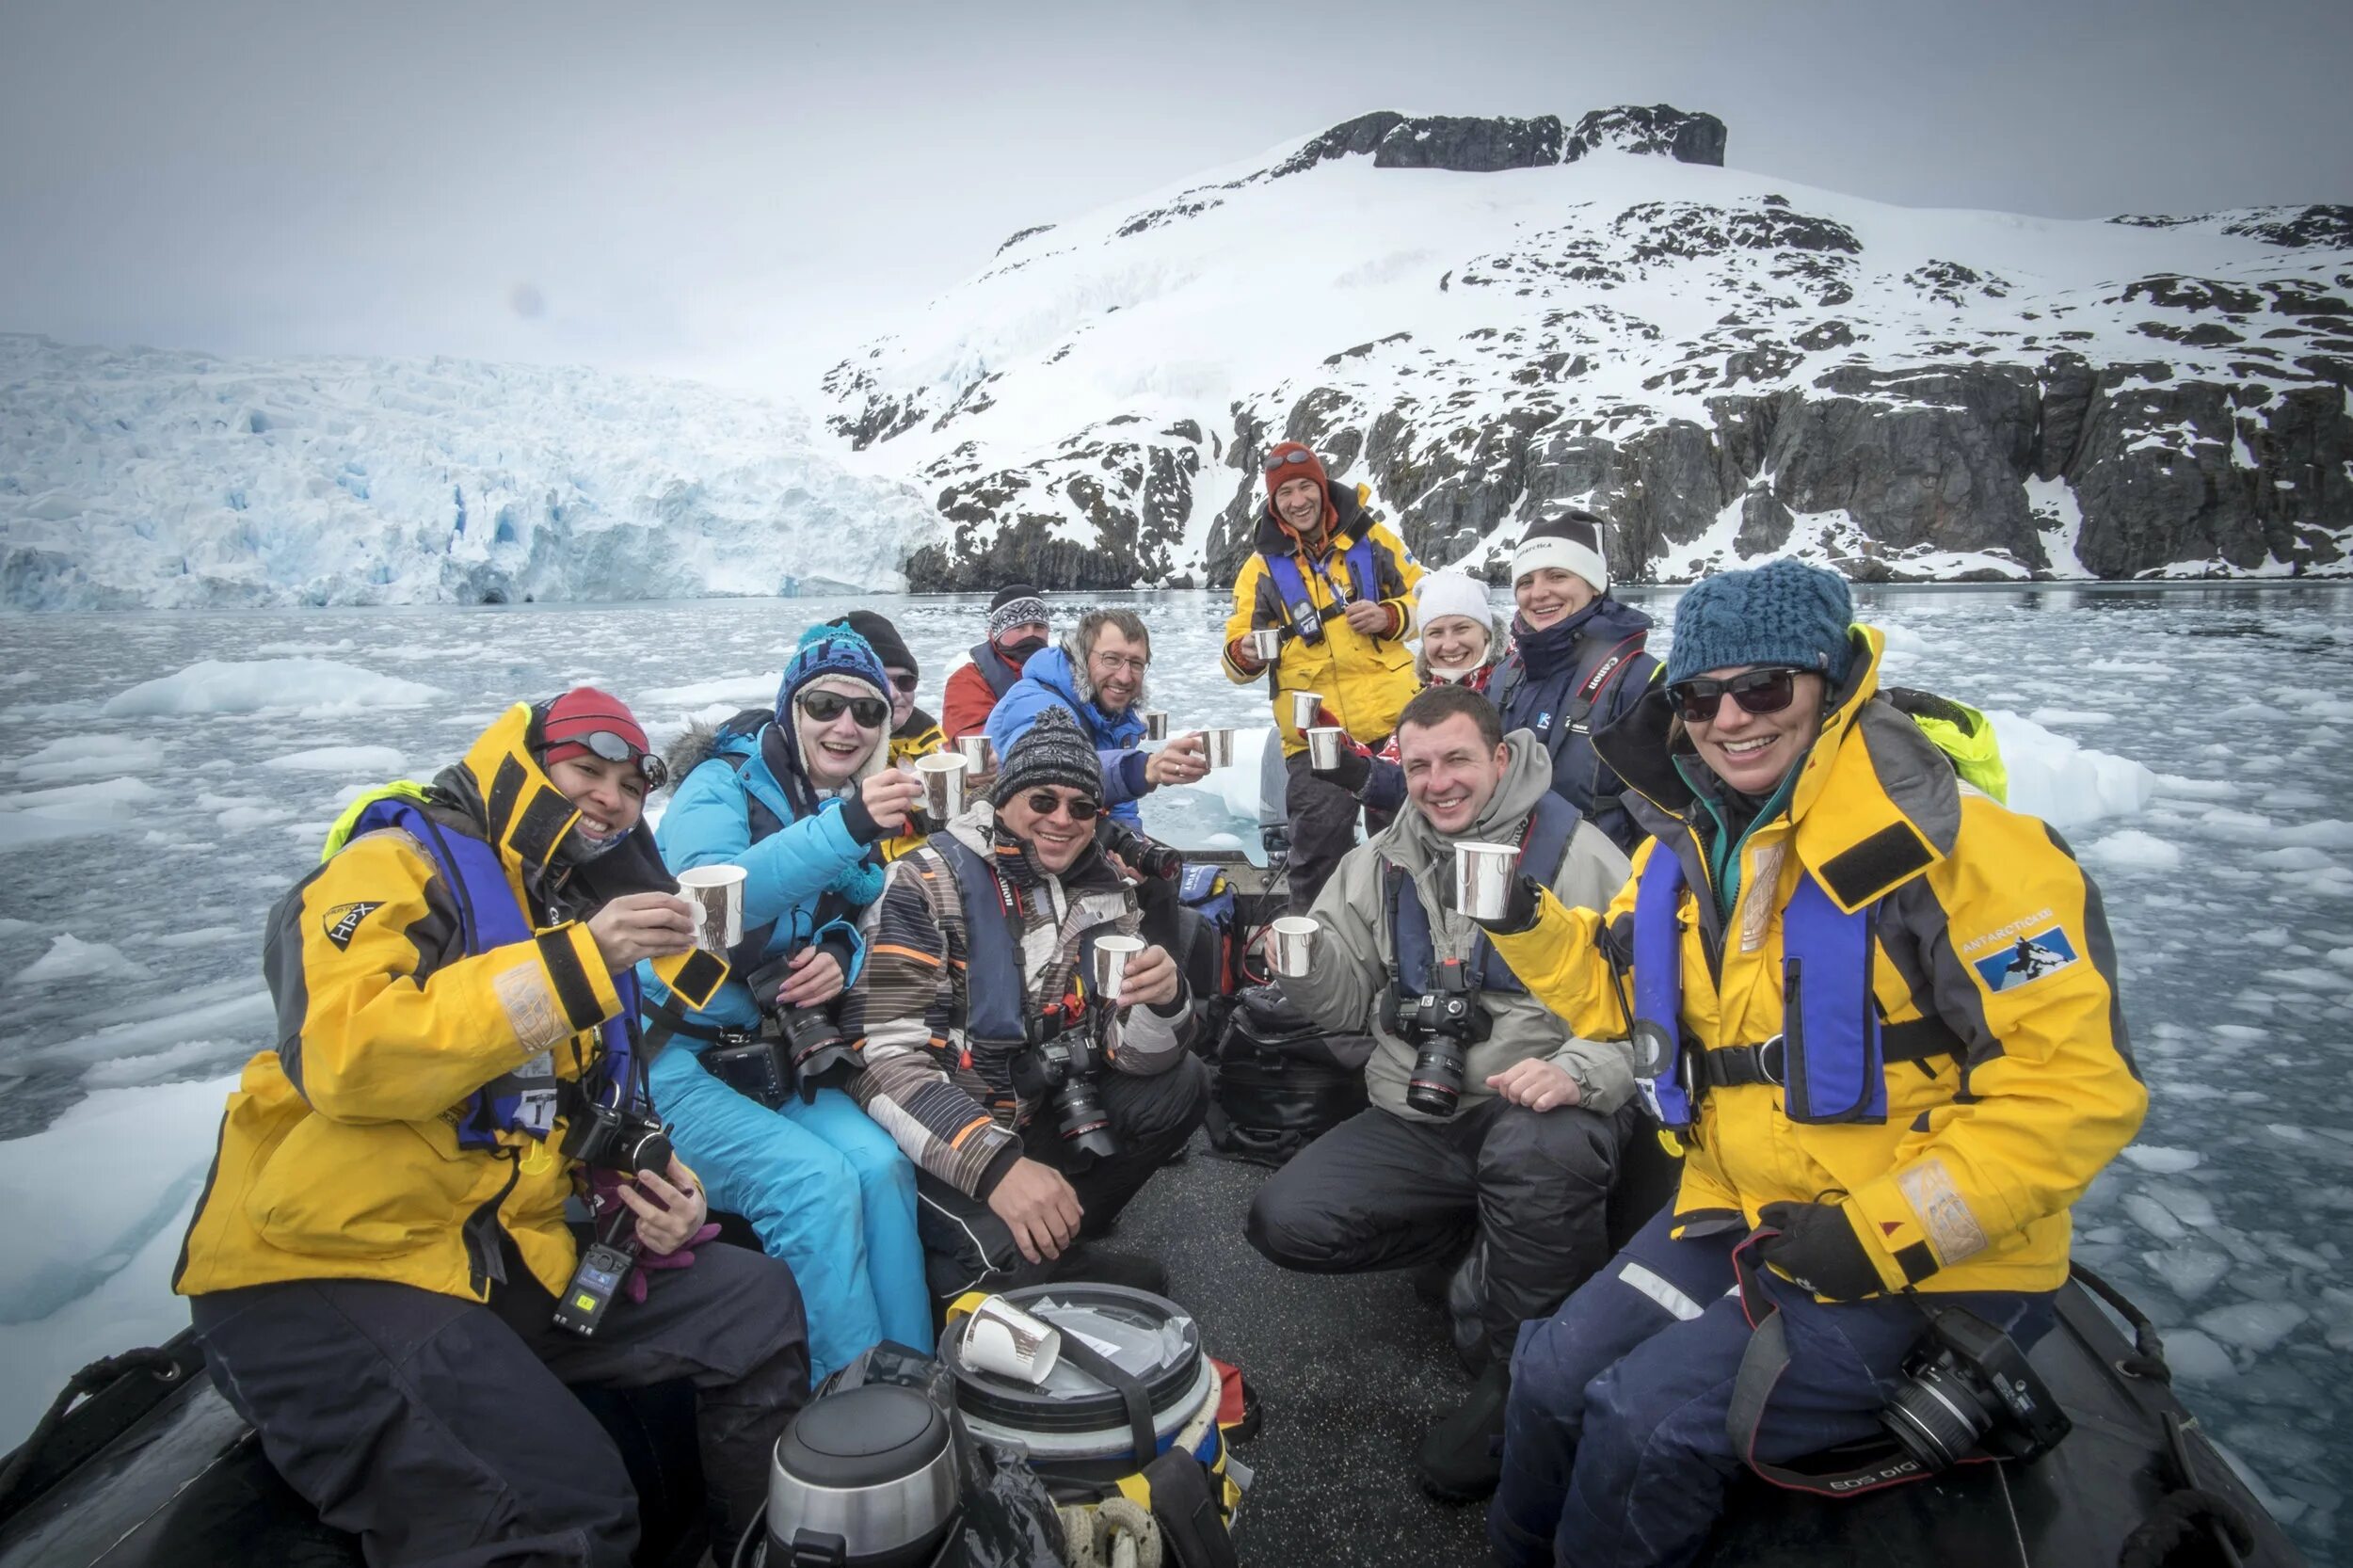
(682, 1258)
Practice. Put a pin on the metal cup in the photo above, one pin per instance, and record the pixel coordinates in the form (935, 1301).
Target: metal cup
(1304, 706)
(942, 773)
(1266, 644)
(1219, 745)
(1323, 746)
(1000, 1338)
(979, 755)
(1483, 879)
(1294, 945)
(1156, 726)
(1112, 955)
(717, 894)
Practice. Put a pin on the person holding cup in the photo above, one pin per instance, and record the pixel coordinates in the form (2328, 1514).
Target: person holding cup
(1331, 587)
(1883, 1112)
(914, 733)
(375, 1264)
(1490, 1126)
(1099, 677)
(979, 1001)
(1461, 645)
(800, 797)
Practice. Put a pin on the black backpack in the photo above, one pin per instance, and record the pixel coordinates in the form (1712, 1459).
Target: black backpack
(1281, 1080)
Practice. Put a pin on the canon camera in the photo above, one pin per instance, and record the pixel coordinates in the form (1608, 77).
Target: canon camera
(619, 1138)
(1440, 1024)
(1062, 1067)
(1970, 1385)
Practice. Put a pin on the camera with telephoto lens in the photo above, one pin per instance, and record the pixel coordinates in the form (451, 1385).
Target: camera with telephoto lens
(612, 1137)
(1969, 1386)
(1062, 1067)
(817, 1055)
(1146, 857)
(1440, 1024)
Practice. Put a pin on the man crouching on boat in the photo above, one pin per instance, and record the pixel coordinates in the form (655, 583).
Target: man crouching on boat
(1817, 944)
(376, 1260)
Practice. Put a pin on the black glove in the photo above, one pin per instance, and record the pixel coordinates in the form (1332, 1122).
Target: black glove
(1520, 913)
(1818, 1249)
(1349, 774)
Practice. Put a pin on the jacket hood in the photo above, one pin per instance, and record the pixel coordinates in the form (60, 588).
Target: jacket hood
(1060, 671)
(701, 742)
(1273, 538)
(1556, 645)
(1412, 842)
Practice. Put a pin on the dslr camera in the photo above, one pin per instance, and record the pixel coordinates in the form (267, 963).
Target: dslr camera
(795, 1046)
(1970, 1385)
(1061, 1066)
(1148, 856)
(1440, 1024)
(619, 1138)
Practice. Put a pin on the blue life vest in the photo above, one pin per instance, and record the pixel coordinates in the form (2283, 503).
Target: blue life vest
(488, 917)
(1541, 845)
(996, 1006)
(1832, 1065)
(1298, 606)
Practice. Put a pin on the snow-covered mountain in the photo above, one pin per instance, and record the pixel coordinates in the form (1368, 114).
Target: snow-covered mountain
(181, 480)
(1479, 318)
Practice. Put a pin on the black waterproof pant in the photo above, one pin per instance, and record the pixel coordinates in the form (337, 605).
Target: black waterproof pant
(440, 1430)
(1380, 1191)
(1323, 828)
(966, 1247)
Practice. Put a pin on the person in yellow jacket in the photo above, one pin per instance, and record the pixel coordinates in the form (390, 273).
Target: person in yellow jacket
(1887, 1007)
(377, 1262)
(1337, 584)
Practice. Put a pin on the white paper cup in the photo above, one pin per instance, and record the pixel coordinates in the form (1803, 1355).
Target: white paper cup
(1323, 746)
(942, 773)
(1000, 1337)
(979, 755)
(1304, 706)
(1218, 745)
(1112, 955)
(1483, 879)
(1294, 945)
(1156, 726)
(717, 895)
(1266, 644)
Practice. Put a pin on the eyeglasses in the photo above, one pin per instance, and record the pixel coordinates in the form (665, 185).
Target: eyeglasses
(1128, 663)
(826, 707)
(1046, 803)
(616, 748)
(905, 682)
(1276, 461)
(1761, 691)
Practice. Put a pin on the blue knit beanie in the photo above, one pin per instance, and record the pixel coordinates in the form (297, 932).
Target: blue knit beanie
(830, 650)
(1783, 613)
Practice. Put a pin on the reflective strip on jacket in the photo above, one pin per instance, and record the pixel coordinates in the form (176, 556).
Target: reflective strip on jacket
(1979, 1159)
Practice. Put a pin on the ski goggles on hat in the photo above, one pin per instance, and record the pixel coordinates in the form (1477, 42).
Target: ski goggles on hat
(609, 748)
(1760, 691)
(826, 707)
(1046, 803)
(1277, 461)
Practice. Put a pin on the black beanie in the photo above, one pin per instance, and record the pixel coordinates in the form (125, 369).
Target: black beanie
(883, 638)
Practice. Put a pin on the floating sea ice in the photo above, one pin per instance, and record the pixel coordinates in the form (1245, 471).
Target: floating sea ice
(2165, 1161)
(2197, 1357)
(222, 686)
(2131, 848)
(70, 958)
(2254, 1326)
(378, 761)
(2190, 1271)
(87, 756)
(2154, 1217)
(2179, 787)
(2065, 784)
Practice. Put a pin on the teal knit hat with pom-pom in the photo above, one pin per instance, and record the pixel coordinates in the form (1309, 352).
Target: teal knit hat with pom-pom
(830, 650)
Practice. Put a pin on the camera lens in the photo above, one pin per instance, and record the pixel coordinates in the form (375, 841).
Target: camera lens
(1435, 1087)
(1082, 1119)
(651, 1152)
(1937, 1418)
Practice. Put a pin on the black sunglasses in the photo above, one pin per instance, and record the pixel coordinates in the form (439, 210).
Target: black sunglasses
(1046, 803)
(1299, 454)
(826, 707)
(1764, 691)
(905, 682)
(614, 748)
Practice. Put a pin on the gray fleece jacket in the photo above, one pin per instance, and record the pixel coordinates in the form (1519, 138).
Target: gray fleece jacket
(1342, 988)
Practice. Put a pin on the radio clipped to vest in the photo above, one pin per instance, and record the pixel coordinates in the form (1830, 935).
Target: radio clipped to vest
(1298, 606)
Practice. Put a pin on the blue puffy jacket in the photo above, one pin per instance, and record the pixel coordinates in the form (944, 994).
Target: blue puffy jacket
(1047, 680)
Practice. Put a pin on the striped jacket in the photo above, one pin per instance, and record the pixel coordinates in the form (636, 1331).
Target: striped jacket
(950, 1103)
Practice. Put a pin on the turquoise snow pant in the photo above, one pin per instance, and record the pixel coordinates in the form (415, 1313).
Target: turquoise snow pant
(827, 1191)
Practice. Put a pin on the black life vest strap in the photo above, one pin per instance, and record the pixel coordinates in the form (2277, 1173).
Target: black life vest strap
(1918, 1039)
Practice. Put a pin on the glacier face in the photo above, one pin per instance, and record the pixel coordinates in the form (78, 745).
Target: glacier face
(1480, 320)
(179, 480)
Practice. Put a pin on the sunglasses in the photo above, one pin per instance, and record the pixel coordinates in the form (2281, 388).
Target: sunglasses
(1276, 462)
(826, 707)
(615, 748)
(1046, 803)
(905, 682)
(1764, 691)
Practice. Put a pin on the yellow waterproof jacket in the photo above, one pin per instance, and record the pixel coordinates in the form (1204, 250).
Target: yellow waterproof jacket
(1979, 1157)
(339, 1154)
(1365, 681)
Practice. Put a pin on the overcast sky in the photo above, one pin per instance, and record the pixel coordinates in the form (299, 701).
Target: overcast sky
(741, 192)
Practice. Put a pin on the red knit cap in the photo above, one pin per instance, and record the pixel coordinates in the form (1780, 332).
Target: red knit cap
(581, 713)
(1291, 461)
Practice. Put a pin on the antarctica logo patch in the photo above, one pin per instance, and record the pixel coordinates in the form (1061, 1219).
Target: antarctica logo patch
(342, 921)
(2026, 960)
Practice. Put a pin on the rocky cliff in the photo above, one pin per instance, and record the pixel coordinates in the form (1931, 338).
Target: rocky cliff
(1478, 319)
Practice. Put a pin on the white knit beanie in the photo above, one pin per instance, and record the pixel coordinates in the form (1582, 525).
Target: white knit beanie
(1571, 540)
(1451, 593)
